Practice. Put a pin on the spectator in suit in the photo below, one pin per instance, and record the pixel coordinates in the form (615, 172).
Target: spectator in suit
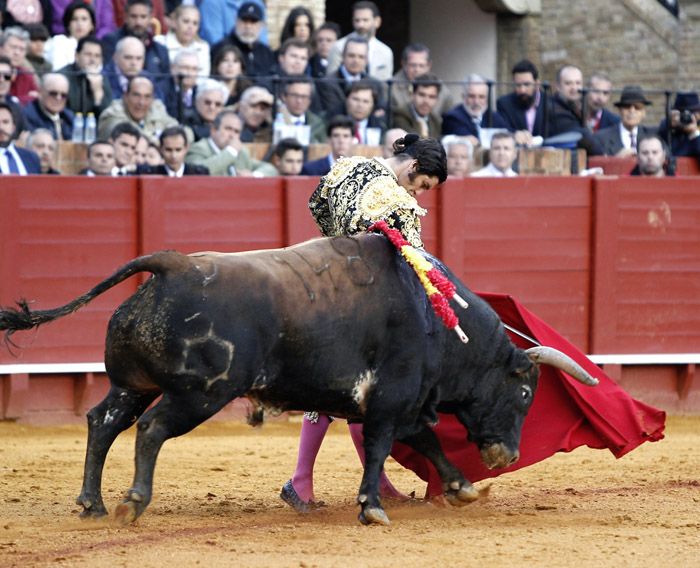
(288, 157)
(335, 88)
(597, 99)
(459, 151)
(140, 108)
(259, 59)
(183, 36)
(14, 160)
(49, 110)
(14, 42)
(340, 139)
(180, 89)
(416, 61)
(137, 24)
(366, 20)
(88, 89)
(127, 62)
(360, 103)
(418, 115)
(124, 137)
(502, 156)
(685, 135)
(100, 159)
(255, 109)
(42, 142)
(566, 108)
(211, 98)
(7, 74)
(468, 118)
(652, 157)
(621, 139)
(173, 147)
(296, 97)
(223, 153)
(323, 39)
(523, 109)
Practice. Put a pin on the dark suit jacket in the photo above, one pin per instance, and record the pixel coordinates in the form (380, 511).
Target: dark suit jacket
(30, 160)
(318, 167)
(35, 118)
(403, 117)
(514, 114)
(564, 118)
(681, 145)
(157, 60)
(607, 119)
(611, 142)
(259, 59)
(111, 72)
(333, 89)
(79, 87)
(457, 121)
(190, 170)
(171, 93)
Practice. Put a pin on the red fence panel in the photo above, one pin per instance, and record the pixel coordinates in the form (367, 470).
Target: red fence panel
(527, 236)
(647, 269)
(211, 213)
(60, 236)
(299, 224)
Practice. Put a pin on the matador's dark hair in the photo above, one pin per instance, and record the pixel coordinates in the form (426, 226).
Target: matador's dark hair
(428, 152)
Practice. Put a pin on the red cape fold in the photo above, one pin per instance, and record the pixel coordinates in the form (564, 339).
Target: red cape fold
(565, 413)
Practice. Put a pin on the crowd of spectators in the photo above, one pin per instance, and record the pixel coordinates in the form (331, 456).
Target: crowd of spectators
(169, 88)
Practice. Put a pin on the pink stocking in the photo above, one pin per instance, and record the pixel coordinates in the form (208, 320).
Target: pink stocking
(386, 489)
(310, 441)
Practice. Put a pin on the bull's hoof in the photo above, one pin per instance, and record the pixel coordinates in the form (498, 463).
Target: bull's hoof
(462, 495)
(91, 510)
(373, 515)
(126, 513)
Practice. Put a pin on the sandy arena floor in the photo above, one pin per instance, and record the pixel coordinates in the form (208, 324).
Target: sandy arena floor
(216, 504)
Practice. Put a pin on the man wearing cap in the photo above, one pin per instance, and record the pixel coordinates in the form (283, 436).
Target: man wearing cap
(685, 135)
(259, 59)
(621, 140)
(255, 109)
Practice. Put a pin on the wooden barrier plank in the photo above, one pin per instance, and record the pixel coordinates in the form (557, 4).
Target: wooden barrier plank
(299, 225)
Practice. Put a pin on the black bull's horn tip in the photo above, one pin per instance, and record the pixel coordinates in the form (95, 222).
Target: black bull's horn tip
(555, 358)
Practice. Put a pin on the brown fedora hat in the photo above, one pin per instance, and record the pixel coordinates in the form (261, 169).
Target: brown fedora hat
(630, 95)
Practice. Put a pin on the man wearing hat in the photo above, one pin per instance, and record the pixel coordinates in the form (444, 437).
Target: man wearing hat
(259, 59)
(621, 140)
(685, 135)
(255, 110)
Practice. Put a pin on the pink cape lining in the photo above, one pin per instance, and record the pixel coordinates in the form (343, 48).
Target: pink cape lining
(565, 414)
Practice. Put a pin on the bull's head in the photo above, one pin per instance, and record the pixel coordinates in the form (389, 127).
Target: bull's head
(494, 416)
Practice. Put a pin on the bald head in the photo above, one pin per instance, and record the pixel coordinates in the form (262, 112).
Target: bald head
(130, 55)
(53, 94)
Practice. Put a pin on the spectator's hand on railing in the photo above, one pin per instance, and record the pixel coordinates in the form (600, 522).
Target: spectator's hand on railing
(523, 138)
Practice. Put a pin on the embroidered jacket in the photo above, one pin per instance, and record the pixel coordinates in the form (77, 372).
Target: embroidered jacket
(360, 191)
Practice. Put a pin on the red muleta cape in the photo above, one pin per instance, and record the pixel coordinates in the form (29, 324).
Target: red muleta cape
(565, 413)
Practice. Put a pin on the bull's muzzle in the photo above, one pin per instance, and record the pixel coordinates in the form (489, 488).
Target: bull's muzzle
(497, 456)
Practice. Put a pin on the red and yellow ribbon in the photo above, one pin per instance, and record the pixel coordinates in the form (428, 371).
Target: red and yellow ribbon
(438, 288)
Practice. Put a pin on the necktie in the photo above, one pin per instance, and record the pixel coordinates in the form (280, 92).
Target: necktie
(423, 125)
(633, 141)
(357, 134)
(299, 122)
(11, 162)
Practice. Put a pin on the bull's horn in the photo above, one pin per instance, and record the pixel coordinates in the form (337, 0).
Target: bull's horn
(555, 358)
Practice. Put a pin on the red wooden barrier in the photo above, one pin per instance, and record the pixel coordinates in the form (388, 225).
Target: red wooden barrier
(623, 166)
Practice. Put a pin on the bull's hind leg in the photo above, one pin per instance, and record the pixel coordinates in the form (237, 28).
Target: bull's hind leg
(119, 410)
(458, 491)
(173, 416)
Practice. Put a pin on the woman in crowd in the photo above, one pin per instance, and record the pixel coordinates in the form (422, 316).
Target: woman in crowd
(299, 24)
(184, 34)
(228, 67)
(79, 22)
(354, 194)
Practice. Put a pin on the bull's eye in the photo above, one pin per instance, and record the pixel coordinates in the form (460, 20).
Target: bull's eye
(525, 393)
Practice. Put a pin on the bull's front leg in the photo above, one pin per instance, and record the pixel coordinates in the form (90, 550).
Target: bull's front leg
(458, 490)
(377, 444)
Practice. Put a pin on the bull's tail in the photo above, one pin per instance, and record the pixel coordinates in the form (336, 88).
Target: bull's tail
(13, 319)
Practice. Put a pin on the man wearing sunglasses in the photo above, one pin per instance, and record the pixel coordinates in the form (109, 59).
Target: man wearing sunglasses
(49, 110)
(7, 74)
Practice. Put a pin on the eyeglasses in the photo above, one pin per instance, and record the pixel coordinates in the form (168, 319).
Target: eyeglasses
(6, 76)
(58, 94)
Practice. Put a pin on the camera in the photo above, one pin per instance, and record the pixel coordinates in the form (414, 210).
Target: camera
(687, 117)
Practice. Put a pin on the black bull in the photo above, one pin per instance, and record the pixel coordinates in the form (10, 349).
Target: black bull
(338, 325)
